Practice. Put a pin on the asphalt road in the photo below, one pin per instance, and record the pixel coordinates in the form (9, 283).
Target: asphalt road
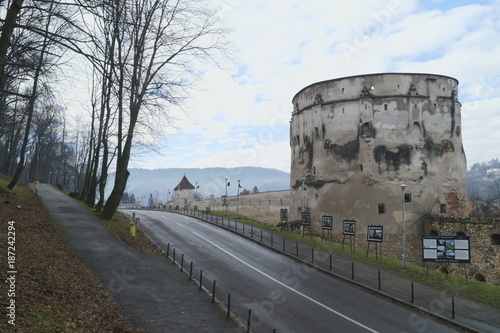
(282, 294)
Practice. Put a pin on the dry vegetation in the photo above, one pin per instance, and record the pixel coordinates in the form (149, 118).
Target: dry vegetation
(55, 292)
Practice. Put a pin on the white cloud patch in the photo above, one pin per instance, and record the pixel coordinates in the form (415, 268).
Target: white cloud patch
(240, 115)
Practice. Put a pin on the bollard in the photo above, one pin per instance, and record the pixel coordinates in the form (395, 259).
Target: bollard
(271, 240)
(331, 263)
(132, 229)
(352, 270)
(312, 255)
(412, 294)
(283, 244)
(182, 262)
(191, 271)
(168, 248)
(173, 257)
(228, 305)
(296, 249)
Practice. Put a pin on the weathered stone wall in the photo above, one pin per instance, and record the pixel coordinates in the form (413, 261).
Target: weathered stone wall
(264, 207)
(355, 140)
(484, 242)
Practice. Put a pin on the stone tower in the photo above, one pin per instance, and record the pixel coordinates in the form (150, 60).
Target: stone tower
(355, 140)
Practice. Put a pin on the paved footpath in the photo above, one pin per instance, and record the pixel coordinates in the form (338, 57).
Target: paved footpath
(155, 295)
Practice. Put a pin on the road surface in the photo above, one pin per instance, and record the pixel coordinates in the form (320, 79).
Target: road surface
(282, 294)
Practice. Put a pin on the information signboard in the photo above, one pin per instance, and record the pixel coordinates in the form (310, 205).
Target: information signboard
(375, 233)
(449, 249)
(306, 219)
(284, 214)
(349, 227)
(327, 222)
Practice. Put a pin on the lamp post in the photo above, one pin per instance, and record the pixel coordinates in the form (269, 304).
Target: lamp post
(303, 199)
(225, 200)
(238, 199)
(403, 188)
(156, 200)
(196, 191)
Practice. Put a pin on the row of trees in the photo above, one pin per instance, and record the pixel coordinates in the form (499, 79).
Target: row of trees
(141, 57)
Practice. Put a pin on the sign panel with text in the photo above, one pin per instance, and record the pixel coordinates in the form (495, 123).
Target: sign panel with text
(450, 249)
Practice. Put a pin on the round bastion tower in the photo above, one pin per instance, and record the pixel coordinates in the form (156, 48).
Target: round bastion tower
(355, 140)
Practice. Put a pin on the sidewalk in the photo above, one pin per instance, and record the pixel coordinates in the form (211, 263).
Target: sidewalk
(155, 295)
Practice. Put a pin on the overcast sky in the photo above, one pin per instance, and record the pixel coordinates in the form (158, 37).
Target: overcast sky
(240, 116)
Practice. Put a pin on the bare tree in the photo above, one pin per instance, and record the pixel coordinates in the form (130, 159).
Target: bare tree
(163, 41)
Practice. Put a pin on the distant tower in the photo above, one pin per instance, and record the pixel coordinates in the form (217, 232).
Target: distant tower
(355, 140)
(184, 192)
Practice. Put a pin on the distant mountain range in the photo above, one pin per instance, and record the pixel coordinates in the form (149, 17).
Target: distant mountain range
(143, 182)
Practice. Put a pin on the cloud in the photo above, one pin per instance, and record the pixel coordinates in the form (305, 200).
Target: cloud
(240, 116)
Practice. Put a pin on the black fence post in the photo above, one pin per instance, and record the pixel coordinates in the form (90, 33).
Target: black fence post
(379, 284)
(201, 278)
(213, 292)
(452, 307)
(331, 263)
(271, 240)
(352, 270)
(296, 249)
(173, 257)
(248, 321)
(191, 271)
(312, 255)
(283, 244)
(261, 235)
(228, 305)
(168, 248)
(182, 261)
(412, 293)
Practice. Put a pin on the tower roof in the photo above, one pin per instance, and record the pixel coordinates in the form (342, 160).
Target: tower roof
(184, 185)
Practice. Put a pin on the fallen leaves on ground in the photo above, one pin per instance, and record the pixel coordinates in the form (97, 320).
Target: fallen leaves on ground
(54, 290)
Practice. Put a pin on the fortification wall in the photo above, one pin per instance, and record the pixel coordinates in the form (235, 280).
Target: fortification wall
(484, 246)
(264, 206)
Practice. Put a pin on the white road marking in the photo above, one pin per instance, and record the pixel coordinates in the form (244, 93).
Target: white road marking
(179, 224)
(289, 288)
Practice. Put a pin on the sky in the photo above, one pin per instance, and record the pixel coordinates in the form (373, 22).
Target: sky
(239, 115)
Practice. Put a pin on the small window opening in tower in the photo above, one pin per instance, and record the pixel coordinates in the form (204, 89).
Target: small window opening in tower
(381, 208)
(366, 106)
(444, 89)
(495, 239)
(342, 110)
(435, 104)
(343, 90)
(399, 86)
(361, 167)
(385, 106)
(443, 208)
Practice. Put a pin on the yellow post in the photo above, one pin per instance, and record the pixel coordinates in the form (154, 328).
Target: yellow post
(36, 186)
(132, 229)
